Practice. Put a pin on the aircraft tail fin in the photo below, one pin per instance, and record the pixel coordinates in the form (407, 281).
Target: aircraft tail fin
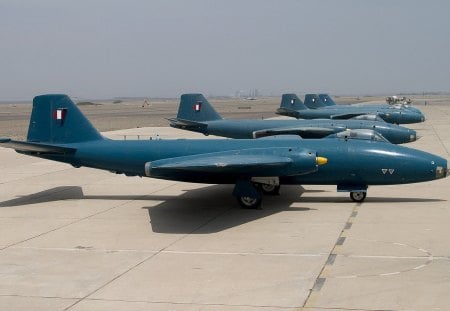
(56, 119)
(195, 107)
(312, 101)
(292, 102)
(327, 100)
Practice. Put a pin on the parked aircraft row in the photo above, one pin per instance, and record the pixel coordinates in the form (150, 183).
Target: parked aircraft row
(315, 108)
(351, 154)
(206, 120)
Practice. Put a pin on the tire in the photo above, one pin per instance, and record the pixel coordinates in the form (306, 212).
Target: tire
(357, 196)
(270, 189)
(249, 202)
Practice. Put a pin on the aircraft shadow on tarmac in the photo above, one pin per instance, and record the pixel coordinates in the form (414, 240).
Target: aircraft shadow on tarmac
(213, 209)
(203, 210)
(221, 195)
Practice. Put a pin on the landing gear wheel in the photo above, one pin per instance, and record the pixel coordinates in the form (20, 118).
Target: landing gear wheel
(358, 196)
(270, 189)
(249, 202)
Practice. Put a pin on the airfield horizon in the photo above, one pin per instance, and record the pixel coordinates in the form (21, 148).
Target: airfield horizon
(110, 116)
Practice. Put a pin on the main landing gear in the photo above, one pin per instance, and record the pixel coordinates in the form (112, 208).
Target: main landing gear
(249, 202)
(270, 189)
(249, 193)
(255, 201)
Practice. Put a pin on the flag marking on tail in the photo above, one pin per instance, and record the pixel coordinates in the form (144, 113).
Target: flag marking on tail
(60, 114)
(198, 106)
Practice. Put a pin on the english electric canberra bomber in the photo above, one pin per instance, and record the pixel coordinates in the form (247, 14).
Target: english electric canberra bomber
(59, 131)
(315, 101)
(292, 106)
(196, 114)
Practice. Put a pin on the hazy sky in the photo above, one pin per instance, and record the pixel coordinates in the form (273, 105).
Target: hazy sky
(107, 48)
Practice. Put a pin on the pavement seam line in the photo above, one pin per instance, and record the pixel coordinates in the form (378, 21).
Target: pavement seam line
(320, 280)
(79, 220)
(34, 176)
(440, 140)
(61, 227)
(189, 303)
(146, 259)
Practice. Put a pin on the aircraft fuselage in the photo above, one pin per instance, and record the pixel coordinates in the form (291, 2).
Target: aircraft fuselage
(244, 128)
(350, 162)
(388, 114)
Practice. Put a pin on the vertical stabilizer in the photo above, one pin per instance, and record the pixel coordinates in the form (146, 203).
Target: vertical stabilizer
(327, 100)
(56, 119)
(292, 102)
(195, 107)
(312, 101)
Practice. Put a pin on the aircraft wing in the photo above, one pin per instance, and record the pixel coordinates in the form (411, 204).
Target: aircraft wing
(304, 132)
(29, 147)
(187, 124)
(248, 162)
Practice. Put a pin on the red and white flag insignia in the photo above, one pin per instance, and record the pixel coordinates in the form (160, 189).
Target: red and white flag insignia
(59, 114)
(198, 107)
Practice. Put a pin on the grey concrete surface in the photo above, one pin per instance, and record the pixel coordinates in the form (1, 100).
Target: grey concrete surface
(84, 239)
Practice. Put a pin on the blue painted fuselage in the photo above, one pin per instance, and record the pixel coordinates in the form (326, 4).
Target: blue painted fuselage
(350, 162)
(245, 128)
(390, 114)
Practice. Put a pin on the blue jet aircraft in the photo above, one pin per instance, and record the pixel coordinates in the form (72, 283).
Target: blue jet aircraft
(292, 106)
(325, 100)
(196, 114)
(58, 131)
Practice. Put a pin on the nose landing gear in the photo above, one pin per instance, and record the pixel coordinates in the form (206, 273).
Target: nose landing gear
(358, 196)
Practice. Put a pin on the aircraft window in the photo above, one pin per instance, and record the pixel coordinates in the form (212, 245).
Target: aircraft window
(360, 134)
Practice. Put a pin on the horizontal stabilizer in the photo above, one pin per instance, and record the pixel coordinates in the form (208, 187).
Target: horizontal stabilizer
(304, 132)
(287, 112)
(28, 147)
(187, 124)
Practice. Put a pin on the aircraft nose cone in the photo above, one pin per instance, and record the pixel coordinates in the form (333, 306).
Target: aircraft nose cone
(402, 135)
(420, 116)
(441, 168)
(417, 118)
(412, 135)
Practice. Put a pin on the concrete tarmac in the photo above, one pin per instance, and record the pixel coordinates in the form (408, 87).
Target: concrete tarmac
(84, 239)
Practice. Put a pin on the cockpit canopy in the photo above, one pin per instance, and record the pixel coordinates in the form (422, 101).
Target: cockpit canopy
(369, 117)
(361, 134)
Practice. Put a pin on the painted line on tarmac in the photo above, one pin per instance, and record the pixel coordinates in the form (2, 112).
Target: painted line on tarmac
(321, 278)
